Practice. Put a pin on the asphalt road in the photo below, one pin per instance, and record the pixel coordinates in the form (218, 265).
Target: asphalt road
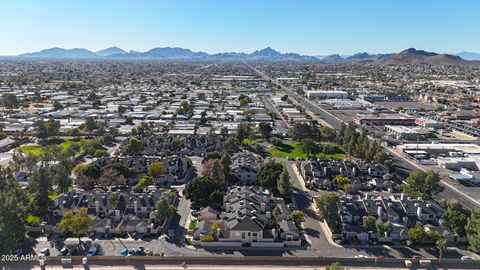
(281, 125)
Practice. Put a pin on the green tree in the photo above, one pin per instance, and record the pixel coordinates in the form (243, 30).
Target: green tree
(265, 129)
(473, 230)
(422, 184)
(76, 222)
(57, 106)
(41, 186)
(61, 177)
(421, 236)
(225, 161)
(163, 209)
(328, 209)
(342, 182)
(301, 131)
(134, 146)
(121, 110)
(155, 169)
(10, 101)
(455, 218)
(200, 189)
(90, 124)
(231, 145)
(308, 146)
(13, 210)
(269, 174)
(41, 130)
(123, 169)
(244, 100)
(108, 138)
(380, 157)
(113, 200)
(101, 153)
(216, 171)
(297, 217)
(143, 183)
(53, 127)
(284, 185)
(272, 114)
(383, 228)
(335, 266)
(243, 131)
(87, 169)
(369, 223)
(441, 245)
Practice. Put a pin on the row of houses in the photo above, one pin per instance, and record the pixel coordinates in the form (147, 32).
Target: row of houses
(168, 145)
(364, 176)
(250, 216)
(176, 169)
(400, 211)
(126, 212)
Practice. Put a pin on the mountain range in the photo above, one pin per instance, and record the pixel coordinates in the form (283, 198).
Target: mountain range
(165, 53)
(409, 56)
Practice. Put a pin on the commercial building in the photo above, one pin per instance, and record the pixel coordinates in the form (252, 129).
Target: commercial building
(325, 94)
(403, 132)
(385, 119)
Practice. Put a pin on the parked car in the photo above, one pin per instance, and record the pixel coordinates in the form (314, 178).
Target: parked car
(92, 251)
(140, 251)
(64, 251)
(466, 258)
(124, 252)
(72, 251)
(131, 252)
(45, 252)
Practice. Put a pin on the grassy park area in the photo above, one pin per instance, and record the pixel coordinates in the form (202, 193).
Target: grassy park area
(38, 149)
(292, 150)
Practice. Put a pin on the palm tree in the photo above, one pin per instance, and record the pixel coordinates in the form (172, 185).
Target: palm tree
(441, 245)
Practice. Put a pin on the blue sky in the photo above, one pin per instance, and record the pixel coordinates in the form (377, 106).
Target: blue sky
(311, 27)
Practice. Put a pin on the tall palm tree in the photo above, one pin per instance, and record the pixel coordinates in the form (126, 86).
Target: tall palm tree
(441, 245)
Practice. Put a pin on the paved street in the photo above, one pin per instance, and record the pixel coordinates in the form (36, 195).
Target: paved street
(281, 125)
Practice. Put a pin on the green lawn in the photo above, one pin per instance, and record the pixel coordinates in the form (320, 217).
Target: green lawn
(292, 150)
(192, 224)
(53, 195)
(30, 149)
(251, 141)
(33, 219)
(38, 149)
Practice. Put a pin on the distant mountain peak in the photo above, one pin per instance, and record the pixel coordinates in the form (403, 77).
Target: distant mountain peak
(414, 51)
(333, 58)
(269, 52)
(61, 53)
(414, 56)
(110, 51)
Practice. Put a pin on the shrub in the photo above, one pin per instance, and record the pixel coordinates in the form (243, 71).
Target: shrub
(207, 238)
(101, 153)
